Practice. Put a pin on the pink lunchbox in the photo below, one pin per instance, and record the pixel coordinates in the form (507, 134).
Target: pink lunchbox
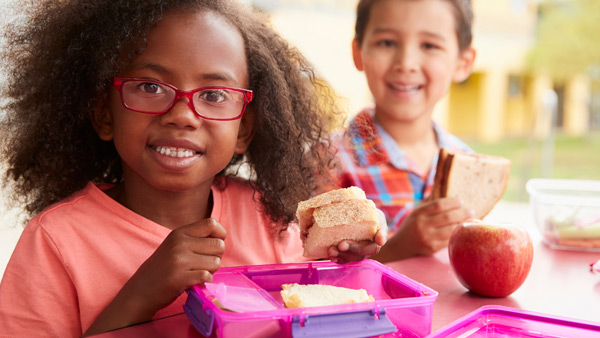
(494, 321)
(402, 307)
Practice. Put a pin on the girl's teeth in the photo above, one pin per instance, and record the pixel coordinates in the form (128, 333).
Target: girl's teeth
(174, 152)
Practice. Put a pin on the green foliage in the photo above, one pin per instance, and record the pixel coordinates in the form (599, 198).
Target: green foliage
(568, 40)
(561, 157)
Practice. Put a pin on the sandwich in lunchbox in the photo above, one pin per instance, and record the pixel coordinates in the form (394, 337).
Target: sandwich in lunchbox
(327, 219)
(309, 295)
(478, 180)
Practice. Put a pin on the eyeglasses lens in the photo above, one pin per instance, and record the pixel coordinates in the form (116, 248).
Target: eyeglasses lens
(153, 97)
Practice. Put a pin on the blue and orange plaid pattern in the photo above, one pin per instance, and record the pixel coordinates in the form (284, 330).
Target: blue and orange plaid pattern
(371, 160)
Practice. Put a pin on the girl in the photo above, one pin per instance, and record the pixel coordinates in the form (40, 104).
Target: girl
(131, 123)
(410, 51)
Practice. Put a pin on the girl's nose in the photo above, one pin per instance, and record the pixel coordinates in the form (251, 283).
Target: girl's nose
(181, 115)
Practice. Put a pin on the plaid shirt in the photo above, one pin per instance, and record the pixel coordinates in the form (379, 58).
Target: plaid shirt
(372, 161)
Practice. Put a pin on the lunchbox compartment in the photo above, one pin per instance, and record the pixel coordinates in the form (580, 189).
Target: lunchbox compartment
(402, 307)
(567, 212)
(500, 321)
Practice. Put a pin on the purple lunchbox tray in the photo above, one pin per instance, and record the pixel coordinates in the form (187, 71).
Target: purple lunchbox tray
(500, 321)
(402, 307)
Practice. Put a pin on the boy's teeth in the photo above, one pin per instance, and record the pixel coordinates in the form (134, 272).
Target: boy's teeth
(406, 88)
(174, 152)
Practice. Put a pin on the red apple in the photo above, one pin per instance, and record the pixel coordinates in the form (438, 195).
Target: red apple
(490, 259)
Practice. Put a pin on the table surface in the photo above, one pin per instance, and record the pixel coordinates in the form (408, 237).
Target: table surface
(560, 283)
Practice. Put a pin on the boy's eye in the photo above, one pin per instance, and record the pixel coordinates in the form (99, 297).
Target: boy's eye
(428, 45)
(386, 43)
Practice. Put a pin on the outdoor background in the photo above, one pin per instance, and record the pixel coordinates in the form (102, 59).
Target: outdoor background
(534, 96)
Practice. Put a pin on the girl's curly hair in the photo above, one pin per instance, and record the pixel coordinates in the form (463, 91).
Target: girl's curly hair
(62, 59)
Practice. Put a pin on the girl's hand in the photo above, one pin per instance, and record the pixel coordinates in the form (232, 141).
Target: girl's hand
(350, 251)
(426, 230)
(188, 256)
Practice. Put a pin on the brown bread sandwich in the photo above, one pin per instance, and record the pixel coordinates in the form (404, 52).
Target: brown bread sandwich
(478, 180)
(329, 218)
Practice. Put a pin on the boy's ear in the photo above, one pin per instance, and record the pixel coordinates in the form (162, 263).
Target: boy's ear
(465, 64)
(356, 55)
(102, 121)
(246, 131)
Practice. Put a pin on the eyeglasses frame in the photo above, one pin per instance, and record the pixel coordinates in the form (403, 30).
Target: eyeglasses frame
(119, 82)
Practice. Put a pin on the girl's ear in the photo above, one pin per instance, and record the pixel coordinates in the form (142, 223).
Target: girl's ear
(356, 55)
(102, 121)
(246, 131)
(464, 67)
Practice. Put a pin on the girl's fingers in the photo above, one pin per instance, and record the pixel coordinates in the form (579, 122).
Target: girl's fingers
(382, 234)
(208, 227)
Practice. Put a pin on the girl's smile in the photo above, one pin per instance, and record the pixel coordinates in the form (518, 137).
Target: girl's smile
(176, 155)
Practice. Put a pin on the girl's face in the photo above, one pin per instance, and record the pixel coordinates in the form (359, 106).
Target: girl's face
(410, 57)
(188, 51)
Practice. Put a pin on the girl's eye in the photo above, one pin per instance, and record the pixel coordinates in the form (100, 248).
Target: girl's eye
(214, 95)
(151, 88)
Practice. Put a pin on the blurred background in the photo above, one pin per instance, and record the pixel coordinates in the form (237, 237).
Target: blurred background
(534, 96)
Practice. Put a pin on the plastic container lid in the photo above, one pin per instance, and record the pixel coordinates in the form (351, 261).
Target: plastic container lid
(500, 321)
(562, 191)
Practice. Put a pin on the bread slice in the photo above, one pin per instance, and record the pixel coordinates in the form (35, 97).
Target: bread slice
(299, 295)
(478, 180)
(329, 218)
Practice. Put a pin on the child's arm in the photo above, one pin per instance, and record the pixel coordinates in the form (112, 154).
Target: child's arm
(188, 256)
(426, 230)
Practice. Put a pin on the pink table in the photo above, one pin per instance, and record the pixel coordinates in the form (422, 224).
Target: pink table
(560, 283)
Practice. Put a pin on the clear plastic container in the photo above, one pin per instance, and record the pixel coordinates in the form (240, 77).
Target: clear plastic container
(494, 321)
(567, 212)
(402, 307)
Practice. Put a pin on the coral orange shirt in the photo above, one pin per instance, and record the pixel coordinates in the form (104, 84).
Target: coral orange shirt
(73, 258)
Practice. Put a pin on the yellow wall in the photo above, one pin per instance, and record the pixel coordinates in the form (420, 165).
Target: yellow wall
(463, 106)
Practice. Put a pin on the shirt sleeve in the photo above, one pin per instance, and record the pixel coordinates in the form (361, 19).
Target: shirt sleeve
(49, 306)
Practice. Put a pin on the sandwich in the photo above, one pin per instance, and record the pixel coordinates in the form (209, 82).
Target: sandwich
(327, 219)
(478, 180)
(299, 295)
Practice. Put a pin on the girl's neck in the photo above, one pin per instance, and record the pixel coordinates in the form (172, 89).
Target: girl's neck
(170, 209)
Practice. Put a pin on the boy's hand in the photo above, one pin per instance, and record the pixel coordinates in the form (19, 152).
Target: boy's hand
(426, 230)
(188, 256)
(349, 251)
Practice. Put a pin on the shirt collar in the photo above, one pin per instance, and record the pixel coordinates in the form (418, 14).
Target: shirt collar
(373, 145)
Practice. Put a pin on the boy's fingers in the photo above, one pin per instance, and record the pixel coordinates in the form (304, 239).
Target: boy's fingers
(441, 204)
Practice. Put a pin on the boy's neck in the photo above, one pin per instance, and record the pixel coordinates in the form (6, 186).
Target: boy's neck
(409, 133)
(417, 139)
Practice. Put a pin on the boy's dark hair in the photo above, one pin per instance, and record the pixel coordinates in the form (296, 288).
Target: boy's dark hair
(63, 58)
(463, 15)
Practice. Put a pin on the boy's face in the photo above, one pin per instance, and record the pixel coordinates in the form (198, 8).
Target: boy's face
(188, 51)
(410, 57)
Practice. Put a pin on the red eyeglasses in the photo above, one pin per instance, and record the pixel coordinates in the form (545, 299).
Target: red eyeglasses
(155, 97)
